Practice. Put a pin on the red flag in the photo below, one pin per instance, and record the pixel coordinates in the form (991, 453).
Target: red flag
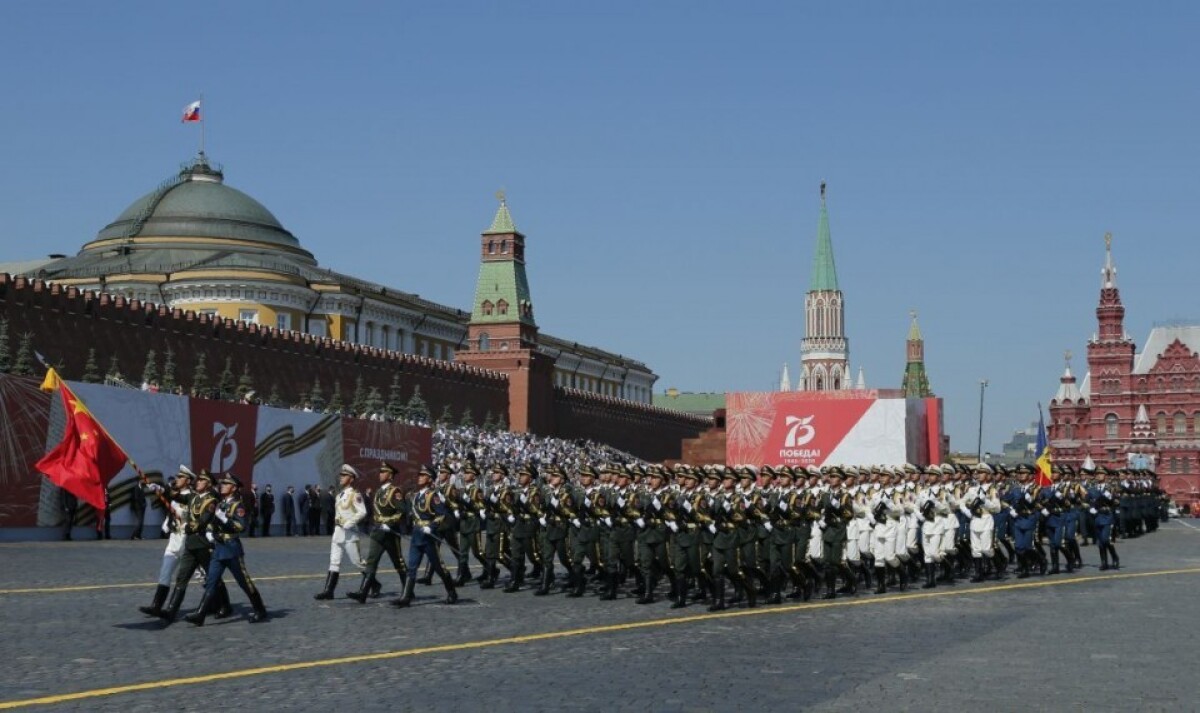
(87, 458)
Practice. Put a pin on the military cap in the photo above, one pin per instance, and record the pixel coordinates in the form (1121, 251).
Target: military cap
(712, 474)
(690, 474)
(444, 467)
(909, 468)
(349, 470)
(500, 468)
(982, 467)
(426, 469)
(813, 471)
(230, 479)
(729, 474)
(589, 470)
(947, 469)
(385, 467)
(745, 473)
(850, 470)
(527, 469)
(186, 472)
(470, 468)
(204, 476)
(933, 469)
(1001, 469)
(1023, 468)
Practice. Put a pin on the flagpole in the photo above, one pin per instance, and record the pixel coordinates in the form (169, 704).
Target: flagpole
(203, 111)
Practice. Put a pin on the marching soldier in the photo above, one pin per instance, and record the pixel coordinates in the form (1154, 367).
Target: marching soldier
(1104, 504)
(173, 524)
(429, 511)
(199, 508)
(448, 529)
(624, 533)
(388, 507)
(226, 527)
(498, 526)
(728, 515)
(654, 513)
(589, 506)
(691, 515)
(472, 513)
(557, 511)
(349, 512)
(525, 507)
(836, 514)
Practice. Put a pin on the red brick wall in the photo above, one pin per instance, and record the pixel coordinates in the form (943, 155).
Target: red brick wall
(650, 433)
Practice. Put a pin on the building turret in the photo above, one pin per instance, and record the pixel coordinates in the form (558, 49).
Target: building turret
(825, 351)
(915, 383)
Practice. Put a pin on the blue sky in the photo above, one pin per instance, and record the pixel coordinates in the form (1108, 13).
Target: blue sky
(663, 159)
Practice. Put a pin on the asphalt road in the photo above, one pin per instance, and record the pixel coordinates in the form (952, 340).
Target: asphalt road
(72, 639)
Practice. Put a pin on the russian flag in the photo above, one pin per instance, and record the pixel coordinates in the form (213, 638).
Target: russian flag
(191, 112)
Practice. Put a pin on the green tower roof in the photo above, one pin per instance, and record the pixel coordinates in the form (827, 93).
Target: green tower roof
(914, 331)
(824, 273)
(503, 222)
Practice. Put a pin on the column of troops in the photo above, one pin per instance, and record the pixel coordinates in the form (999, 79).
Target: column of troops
(715, 534)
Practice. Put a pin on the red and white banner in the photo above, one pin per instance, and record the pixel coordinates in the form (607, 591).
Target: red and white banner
(855, 427)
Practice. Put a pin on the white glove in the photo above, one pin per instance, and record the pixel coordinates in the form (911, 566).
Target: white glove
(511, 519)
(768, 526)
(493, 498)
(728, 506)
(209, 536)
(608, 521)
(621, 502)
(712, 528)
(687, 506)
(524, 500)
(783, 505)
(587, 502)
(385, 528)
(222, 516)
(821, 523)
(575, 521)
(656, 503)
(1012, 512)
(483, 514)
(1045, 512)
(553, 502)
(427, 530)
(154, 488)
(542, 520)
(671, 524)
(640, 522)
(1093, 511)
(1028, 498)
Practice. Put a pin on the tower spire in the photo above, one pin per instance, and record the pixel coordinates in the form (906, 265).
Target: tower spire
(824, 271)
(1110, 270)
(916, 382)
(825, 352)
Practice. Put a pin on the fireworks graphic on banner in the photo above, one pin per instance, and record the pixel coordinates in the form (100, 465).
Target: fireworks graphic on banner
(748, 419)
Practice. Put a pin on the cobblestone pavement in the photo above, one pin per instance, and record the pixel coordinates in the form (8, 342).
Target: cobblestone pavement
(1090, 641)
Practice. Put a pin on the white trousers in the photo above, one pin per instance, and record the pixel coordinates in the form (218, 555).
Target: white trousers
(853, 552)
(884, 540)
(983, 530)
(949, 528)
(344, 541)
(814, 543)
(931, 539)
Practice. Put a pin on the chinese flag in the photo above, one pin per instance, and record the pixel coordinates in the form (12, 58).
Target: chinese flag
(87, 458)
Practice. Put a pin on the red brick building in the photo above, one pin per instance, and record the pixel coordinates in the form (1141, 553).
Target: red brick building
(1133, 409)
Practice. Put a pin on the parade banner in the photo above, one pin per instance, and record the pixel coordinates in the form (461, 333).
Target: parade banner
(800, 428)
(259, 445)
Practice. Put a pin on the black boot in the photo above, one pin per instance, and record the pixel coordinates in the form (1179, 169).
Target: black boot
(612, 581)
(374, 588)
(1076, 555)
(999, 565)
(681, 600)
(830, 583)
(851, 578)
(168, 614)
(978, 571)
(448, 583)
(490, 573)
(428, 578)
(260, 610)
(197, 617)
(464, 576)
(902, 577)
(1042, 562)
(1053, 560)
(515, 582)
(930, 575)
(639, 588)
(579, 586)
(546, 583)
(1023, 564)
(866, 574)
(1068, 559)
(776, 589)
(331, 580)
(406, 598)
(1112, 552)
(364, 588)
(1103, 558)
(880, 580)
(224, 608)
(160, 596)
(738, 594)
(718, 603)
(651, 585)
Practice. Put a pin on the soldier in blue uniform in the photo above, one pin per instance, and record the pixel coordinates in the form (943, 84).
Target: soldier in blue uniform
(1104, 504)
(226, 527)
(429, 512)
(1025, 504)
(1054, 507)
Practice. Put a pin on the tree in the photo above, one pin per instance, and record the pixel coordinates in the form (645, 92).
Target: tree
(447, 416)
(274, 398)
(316, 398)
(114, 370)
(5, 349)
(227, 384)
(488, 425)
(168, 372)
(245, 382)
(502, 423)
(358, 405)
(395, 403)
(150, 372)
(466, 419)
(374, 401)
(335, 401)
(200, 377)
(23, 365)
(91, 372)
(418, 410)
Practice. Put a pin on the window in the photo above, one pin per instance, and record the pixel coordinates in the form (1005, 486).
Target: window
(486, 308)
(491, 247)
(485, 342)
(248, 315)
(502, 307)
(1110, 426)
(283, 321)
(1068, 431)
(1180, 424)
(213, 313)
(316, 327)
(1160, 426)
(504, 247)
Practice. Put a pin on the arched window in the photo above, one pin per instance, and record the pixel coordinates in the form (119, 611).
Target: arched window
(1069, 430)
(486, 307)
(1160, 425)
(1110, 426)
(491, 247)
(485, 342)
(502, 307)
(1180, 424)
(504, 247)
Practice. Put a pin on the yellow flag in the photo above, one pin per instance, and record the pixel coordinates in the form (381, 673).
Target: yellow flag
(51, 382)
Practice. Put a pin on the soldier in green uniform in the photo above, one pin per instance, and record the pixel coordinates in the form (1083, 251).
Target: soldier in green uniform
(199, 507)
(691, 515)
(781, 546)
(557, 513)
(388, 510)
(836, 513)
(654, 511)
(498, 526)
(624, 532)
(526, 507)
(472, 512)
(728, 513)
(588, 504)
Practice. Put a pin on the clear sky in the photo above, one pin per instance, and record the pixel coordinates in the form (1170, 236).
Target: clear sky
(663, 159)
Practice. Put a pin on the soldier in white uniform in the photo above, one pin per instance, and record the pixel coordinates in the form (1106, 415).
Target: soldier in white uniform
(886, 542)
(173, 526)
(981, 506)
(349, 510)
(931, 507)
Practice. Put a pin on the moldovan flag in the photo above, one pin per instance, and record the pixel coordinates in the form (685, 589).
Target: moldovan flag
(87, 458)
(191, 112)
(1044, 472)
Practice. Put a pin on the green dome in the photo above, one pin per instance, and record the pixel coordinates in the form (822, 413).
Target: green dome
(198, 204)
